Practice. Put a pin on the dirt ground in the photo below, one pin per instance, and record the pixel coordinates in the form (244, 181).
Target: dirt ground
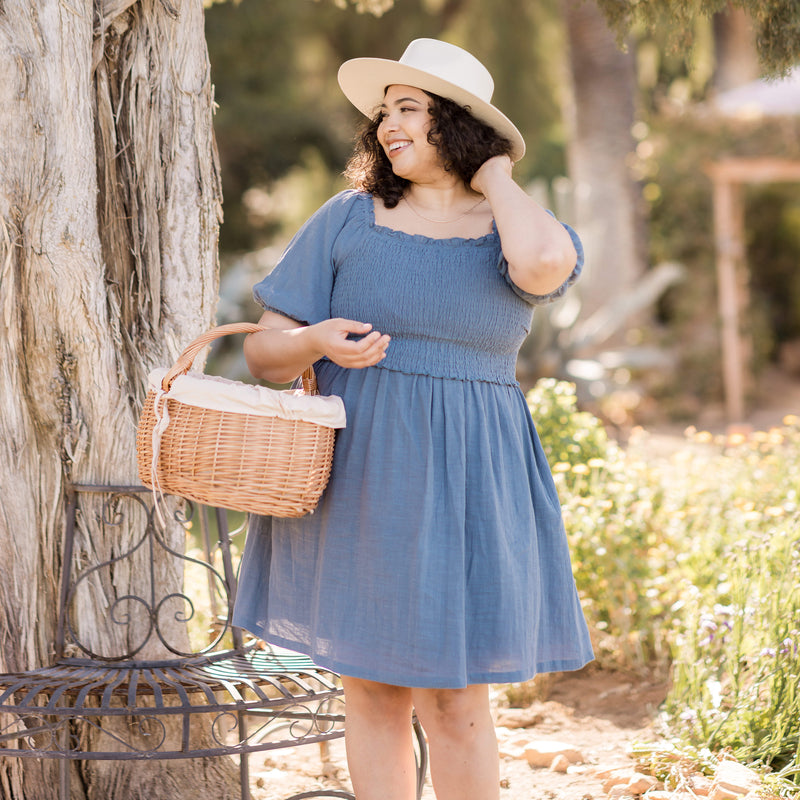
(596, 712)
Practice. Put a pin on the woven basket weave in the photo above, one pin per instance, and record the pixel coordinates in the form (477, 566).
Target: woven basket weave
(245, 462)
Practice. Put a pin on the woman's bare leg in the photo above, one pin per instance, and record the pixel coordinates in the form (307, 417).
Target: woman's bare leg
(461, 738)
(379, 740)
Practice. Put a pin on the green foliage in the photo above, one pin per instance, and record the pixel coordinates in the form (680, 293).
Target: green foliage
(736, 676)
(777, 24)
(665, 542)
(611, 507)
(691, 555)
(568, 436)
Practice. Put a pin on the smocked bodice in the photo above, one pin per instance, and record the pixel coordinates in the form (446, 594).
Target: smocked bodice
(448, 304)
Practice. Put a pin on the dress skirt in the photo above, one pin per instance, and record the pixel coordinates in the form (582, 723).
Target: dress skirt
(437, 557)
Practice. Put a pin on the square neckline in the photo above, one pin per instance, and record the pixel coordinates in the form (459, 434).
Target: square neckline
(452, 240)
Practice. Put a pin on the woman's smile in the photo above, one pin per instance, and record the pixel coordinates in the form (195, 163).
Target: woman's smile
(397, 146)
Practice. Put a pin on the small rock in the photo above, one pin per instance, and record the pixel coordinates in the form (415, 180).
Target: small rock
(541, 754)
(663, 794)
(519, 718)
(514, 753)
(733, 780)
(511, 744)
(559, 764)
(700, 785)
(617, 777)
(618, 792)
(639, 784)
(601, 773)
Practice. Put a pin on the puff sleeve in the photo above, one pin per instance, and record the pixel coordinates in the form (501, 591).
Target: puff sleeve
(541, 299)
(301, 284)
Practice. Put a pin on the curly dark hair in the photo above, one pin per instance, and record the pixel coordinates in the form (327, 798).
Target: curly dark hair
(463, 141)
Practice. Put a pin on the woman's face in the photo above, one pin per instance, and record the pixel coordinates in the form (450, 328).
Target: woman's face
(403, 133)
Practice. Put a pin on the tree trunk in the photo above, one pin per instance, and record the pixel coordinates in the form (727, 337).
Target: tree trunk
(735, 49)
(601, 116)
(109, 209)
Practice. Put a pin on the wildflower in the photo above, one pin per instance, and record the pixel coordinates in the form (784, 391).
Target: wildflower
(775, 436)
(768, 652)
(715, 691)
(791, 419)
(561, 466)
(596, 463)
(581, 469)
(707, 623)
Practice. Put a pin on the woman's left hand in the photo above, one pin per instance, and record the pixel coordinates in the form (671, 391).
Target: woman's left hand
(490, 169)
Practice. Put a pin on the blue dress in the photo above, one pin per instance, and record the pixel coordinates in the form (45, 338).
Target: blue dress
(437, 557)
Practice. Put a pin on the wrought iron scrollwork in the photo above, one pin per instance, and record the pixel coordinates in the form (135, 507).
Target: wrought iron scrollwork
(144, 614)
(151, 694)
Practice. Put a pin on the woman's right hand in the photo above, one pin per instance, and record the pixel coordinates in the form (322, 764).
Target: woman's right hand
(331, 339)
(285, 347)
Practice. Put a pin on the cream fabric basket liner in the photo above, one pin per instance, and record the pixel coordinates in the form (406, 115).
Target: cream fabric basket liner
(221, 394)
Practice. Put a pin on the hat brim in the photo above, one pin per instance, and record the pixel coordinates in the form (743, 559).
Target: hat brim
(364, 81)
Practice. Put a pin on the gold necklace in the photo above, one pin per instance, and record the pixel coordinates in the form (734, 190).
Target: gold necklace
(443, 221)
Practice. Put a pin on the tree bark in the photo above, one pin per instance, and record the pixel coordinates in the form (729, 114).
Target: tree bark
(109, 207)
(600, 117)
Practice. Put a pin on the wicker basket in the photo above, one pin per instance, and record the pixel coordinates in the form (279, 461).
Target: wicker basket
(241, 461)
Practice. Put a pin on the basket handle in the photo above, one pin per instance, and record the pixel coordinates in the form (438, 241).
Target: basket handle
(187, 357)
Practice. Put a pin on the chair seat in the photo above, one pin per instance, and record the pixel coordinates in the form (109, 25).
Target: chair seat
(296, 701)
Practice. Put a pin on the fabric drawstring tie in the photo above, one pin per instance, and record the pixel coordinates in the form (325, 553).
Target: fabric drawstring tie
(162, 421)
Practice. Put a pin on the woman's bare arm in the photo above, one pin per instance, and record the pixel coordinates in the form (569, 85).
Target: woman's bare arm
(281, 353)
(539, 250)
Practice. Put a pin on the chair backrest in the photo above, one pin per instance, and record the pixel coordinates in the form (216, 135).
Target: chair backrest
(144, 579)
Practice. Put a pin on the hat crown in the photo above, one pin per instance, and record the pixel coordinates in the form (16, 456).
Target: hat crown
(450, 63)
(435, 67)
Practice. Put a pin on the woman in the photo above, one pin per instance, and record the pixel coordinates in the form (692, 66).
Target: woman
(436, 563)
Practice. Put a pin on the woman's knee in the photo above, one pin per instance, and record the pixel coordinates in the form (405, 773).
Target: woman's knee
(386, 700)
(454, 711)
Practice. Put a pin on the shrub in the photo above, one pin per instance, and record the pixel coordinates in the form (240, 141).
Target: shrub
(568, 435)
(612, 506)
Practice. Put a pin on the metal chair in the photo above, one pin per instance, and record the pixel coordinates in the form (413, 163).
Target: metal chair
(246, 697)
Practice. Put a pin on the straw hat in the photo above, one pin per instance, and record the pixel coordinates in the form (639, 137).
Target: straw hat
(437, 67)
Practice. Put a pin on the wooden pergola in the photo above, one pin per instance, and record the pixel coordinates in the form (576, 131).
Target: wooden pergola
(728, 176)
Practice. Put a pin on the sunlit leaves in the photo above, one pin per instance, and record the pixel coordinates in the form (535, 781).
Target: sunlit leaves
(776, 22)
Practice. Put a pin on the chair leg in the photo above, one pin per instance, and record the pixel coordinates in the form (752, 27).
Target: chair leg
(244, 758)
(422, 756)
(63, 779)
